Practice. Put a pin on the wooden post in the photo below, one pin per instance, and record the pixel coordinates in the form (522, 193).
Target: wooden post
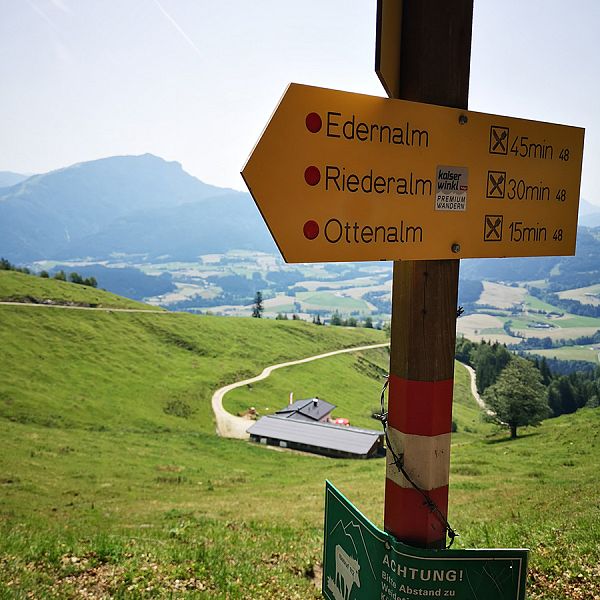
(434, 49)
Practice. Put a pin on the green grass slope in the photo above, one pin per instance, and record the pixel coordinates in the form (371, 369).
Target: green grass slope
(19, 287)
(113, 484)
(353, 383)
(142, 372)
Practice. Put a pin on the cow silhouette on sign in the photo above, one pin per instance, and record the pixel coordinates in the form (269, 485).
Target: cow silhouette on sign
(346, 572)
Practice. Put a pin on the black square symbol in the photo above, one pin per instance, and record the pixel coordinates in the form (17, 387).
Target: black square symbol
(496, 184)
(498, 140)
(492, 229)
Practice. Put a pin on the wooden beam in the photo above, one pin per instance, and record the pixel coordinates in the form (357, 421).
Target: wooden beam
(434, 50)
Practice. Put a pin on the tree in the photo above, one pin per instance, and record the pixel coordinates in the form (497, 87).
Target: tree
(335, 318)
(545, 371)
(488, 360)
(258, 308)
(464, 350)
(369, 323)
(60, 275)
(518, 397)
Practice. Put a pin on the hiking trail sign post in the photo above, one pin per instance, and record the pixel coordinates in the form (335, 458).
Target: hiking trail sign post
(420, 180)
(339, 176)
(364, 563)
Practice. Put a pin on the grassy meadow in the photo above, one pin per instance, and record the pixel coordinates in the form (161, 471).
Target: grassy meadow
(19, 287)
(114, 485)
(588, 353)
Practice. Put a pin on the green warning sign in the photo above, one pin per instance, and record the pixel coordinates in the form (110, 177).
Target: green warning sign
(362, 562)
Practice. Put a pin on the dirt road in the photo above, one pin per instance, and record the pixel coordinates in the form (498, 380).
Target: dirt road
(96, 308)
(229, 425)
(474, 391)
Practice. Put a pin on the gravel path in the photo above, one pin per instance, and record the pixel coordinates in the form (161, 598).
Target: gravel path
(94, 308)
(231, 426)
(474, 391)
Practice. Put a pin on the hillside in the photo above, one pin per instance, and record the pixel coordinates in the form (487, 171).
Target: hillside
(562, 271)
(174, 361)
(19, 287)
(8, 178)
(114, 484)
(135, 204)
(589, 214)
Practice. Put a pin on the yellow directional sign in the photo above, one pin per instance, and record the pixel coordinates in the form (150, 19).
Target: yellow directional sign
(339, 176)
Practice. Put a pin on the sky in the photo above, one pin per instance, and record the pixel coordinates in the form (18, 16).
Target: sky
(196, 80)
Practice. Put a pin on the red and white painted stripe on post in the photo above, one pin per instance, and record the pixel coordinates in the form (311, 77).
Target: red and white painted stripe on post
(419, 429)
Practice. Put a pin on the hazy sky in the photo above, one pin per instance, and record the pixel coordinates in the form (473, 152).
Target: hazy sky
(196, 80)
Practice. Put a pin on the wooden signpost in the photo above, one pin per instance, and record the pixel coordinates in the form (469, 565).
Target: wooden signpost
(435, 51)
(420, 180)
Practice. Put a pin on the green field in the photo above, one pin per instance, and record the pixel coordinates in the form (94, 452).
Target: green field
(525, 321)
(18, 287)
(332, 301)
(534, 303)
(577, 321)
(570, 353)
(113, 483)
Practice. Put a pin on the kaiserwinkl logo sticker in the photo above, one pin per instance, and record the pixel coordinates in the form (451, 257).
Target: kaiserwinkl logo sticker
(452, 185)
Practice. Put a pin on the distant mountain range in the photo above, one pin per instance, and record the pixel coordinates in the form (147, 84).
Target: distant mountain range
(589, 214)
(144, 205)
(125, 204)
(7, 178)
(562, 272)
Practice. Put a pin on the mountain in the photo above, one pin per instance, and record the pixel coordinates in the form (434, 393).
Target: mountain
(589, 214)
(563, 272)
(7, 178)
(214, 225)
(140, 204)
(123, 281)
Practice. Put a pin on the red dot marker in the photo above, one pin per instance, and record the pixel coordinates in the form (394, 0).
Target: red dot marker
(311, 230)
(313, 122)
(312, 175)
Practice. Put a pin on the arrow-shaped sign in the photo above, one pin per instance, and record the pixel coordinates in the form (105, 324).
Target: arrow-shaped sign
(339, 176)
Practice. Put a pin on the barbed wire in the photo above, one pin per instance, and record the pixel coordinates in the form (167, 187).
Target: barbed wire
(398, 462)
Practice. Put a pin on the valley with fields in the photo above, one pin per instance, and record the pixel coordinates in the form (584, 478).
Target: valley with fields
(114, 483)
